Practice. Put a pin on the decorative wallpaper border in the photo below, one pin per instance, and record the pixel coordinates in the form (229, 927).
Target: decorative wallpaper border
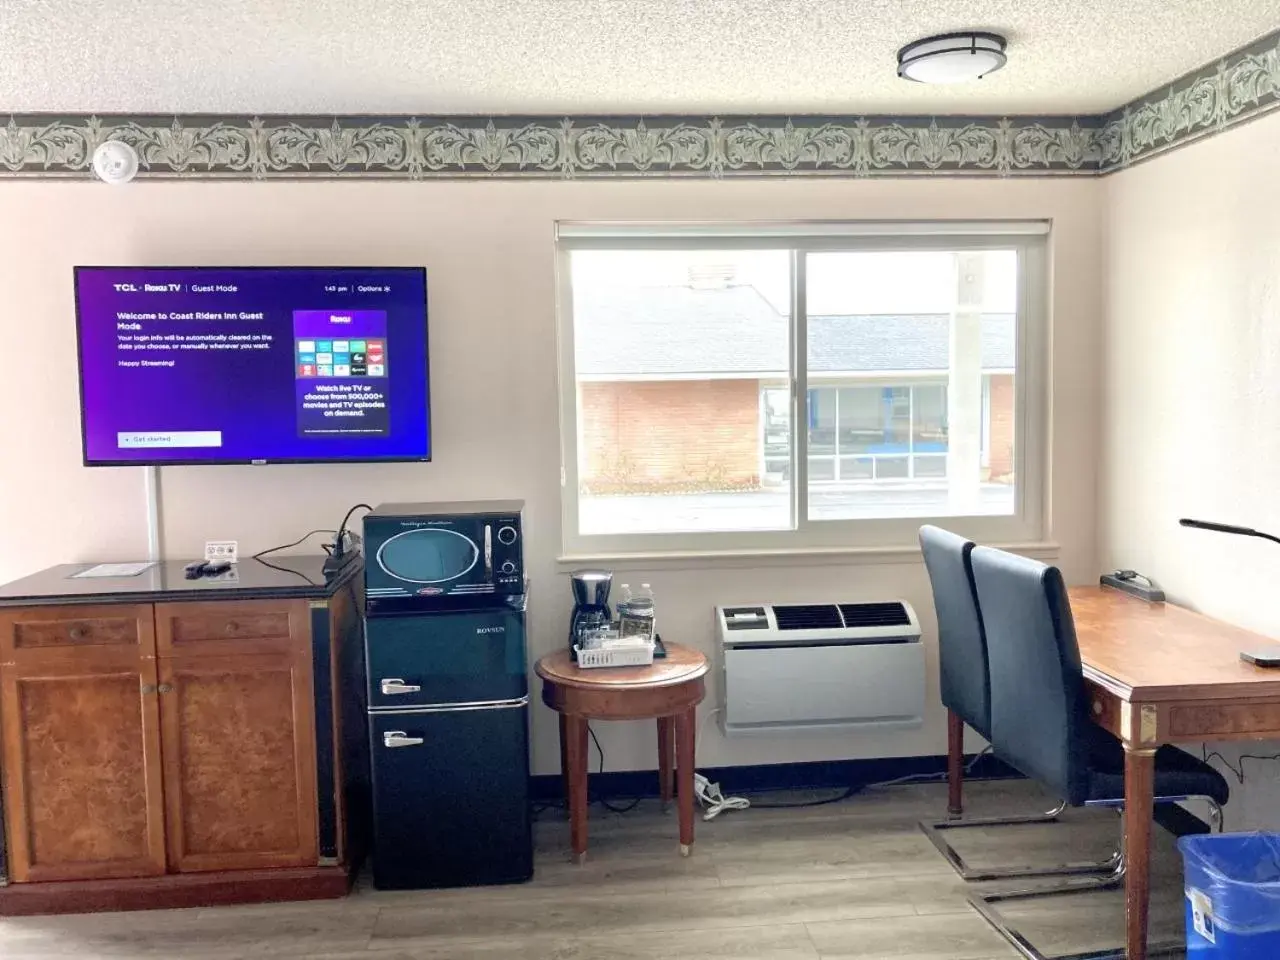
(1242, 86)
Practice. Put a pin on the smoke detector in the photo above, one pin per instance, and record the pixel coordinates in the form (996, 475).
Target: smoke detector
(115, 162)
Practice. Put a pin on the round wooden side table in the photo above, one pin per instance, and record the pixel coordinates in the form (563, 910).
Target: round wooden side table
(669, 691)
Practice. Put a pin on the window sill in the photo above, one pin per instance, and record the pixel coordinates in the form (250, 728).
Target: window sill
(805, 557)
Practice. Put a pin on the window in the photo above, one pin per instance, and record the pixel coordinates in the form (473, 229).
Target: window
(730, 390)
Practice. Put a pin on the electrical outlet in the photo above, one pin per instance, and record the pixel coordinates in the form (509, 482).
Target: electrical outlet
(226, 550)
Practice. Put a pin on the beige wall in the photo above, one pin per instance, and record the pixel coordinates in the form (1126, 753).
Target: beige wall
(489, 251)
(1193, 386)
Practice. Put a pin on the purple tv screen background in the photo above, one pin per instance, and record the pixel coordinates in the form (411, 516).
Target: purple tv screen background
(164, 384)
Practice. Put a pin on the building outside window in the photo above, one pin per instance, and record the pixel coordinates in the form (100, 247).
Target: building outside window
(903, 366)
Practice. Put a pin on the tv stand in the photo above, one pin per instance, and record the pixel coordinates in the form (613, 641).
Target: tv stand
(206, 726)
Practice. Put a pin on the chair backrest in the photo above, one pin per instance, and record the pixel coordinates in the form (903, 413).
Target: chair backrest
(1039, 713)
(962, 645)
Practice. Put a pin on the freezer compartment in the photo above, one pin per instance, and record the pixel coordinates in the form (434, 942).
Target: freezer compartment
(462, 657)
(450, 797)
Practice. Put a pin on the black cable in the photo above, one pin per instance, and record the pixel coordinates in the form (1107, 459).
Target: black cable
(853, 791)
(839, 798)
(1237, 770)
(285, 546)
(337, 556)
(342, 527)
(296, 573)
(603, 802)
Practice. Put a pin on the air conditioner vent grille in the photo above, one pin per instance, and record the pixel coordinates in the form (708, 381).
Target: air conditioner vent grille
(813, 616)
(875, 615)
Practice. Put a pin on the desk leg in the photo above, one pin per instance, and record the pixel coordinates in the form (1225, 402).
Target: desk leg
(686, 725)
(576, 741)
(1139, 768)
(955, 764)
(666, 769)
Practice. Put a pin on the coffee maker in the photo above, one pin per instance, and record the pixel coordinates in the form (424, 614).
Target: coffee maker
(590, 602)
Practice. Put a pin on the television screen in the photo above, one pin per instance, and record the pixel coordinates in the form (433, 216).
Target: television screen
(252, 364)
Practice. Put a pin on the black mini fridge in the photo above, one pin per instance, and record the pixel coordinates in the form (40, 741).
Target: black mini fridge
(448, 724)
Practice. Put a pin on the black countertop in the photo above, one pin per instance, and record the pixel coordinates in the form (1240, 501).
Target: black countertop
(272, 578)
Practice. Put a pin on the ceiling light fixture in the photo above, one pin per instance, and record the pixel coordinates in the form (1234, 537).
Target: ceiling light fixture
(952, 57)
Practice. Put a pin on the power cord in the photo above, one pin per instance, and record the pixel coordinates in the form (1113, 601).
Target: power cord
(285, 546)
(1237, 769)
(852, 791)
(713, 799)
(603, 802)
(337, 557)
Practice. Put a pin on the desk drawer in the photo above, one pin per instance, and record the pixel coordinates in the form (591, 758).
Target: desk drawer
(254, 626)
(74, 628)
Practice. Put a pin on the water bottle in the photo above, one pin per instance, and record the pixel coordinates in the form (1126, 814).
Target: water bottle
(635, 612)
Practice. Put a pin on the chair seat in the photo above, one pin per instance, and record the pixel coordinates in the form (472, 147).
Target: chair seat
(1177, 773)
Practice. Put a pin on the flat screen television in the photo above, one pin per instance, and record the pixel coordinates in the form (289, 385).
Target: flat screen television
(193, 365)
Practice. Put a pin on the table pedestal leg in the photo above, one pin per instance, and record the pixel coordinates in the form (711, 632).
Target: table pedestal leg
(1139, 769)
(576, 743)
(686, 724)
(666, 768)
(955, 764)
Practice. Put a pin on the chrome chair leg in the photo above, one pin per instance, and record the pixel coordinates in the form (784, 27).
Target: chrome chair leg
(985, 903)
(934, 831)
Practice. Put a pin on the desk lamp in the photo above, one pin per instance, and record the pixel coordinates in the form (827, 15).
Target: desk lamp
(1268, 657)
(1227, 528)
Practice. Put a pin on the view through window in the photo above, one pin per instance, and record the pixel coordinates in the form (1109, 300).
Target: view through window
(684, 382)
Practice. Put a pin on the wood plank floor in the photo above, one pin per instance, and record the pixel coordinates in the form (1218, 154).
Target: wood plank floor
(854, 879)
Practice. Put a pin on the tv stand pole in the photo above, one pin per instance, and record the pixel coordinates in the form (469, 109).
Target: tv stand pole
(151, 485)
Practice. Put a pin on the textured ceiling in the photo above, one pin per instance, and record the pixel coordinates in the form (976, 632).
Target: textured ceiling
(593, 56)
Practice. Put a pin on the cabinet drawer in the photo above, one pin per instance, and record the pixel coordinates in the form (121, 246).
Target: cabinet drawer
(248, 626)
(74, 628)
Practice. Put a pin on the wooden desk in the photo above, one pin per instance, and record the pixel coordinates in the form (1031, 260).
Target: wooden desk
(1156, 674)
(668, 691)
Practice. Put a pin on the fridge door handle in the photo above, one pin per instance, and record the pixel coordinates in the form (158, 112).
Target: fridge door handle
(398, 738)
(393, 685)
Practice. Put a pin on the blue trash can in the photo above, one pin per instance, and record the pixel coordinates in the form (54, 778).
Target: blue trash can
(1233, 895)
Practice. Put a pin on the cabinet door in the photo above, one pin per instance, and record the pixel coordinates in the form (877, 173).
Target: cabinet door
(81, 758)
(239, 761)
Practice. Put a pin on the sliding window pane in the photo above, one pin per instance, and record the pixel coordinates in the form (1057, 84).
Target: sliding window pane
(905, 341)
(929, 419)
(678, 356)
(861, 419)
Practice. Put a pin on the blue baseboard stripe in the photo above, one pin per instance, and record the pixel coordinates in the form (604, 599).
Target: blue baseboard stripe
(761, 778)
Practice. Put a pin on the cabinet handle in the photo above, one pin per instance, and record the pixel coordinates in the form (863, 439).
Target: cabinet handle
(77, 633)
(232, 627)
(398, 738)
(149, 688)
(394, 685)
(164, 688)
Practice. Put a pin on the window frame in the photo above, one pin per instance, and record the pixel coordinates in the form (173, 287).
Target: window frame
(1029, 522)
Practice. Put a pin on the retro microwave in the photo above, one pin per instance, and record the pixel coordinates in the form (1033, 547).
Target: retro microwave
(433, 555)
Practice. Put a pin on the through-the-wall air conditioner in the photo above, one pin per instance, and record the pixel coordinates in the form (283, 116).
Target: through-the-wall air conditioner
(787, 668)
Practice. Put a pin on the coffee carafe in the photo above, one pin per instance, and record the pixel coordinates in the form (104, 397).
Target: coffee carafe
(590, 602)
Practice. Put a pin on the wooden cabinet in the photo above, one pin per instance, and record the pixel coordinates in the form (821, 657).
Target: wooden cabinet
(81, 744)
(143, 739)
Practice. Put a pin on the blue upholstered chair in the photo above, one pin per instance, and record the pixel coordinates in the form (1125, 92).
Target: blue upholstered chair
(1040, 721)
(962, 659)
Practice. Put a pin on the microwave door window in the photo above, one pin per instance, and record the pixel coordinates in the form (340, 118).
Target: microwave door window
(428, 556)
